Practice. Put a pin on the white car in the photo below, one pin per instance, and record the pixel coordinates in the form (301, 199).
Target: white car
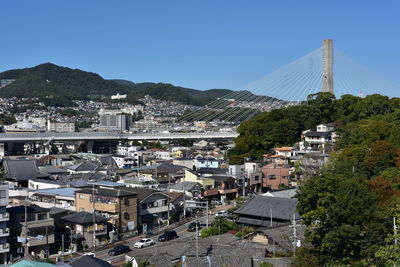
(91, 254)
(223, 213)
(144, 243)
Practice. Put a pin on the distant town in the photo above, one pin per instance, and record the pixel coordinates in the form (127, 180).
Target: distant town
(165, 200)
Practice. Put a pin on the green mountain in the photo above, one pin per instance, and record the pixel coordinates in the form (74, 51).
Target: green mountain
(58, 86)
(175, 93)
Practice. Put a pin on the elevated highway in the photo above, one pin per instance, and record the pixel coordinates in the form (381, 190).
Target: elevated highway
(93, 136)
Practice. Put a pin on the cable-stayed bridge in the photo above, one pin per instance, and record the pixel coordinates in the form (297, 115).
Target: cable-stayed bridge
(325, 69)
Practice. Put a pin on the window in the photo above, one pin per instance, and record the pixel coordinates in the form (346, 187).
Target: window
(81, 209)
(144, 205)
(164, 202)
(272, 176)
(126, 216)
(126, 201)
(155, 204)
(42, 216)
(82, 196)
(3, 194)
(256, 178)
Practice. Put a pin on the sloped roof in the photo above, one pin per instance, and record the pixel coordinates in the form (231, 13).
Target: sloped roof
(25, 263)
(22, 170)
(86, 261)
(66, 192)
(259, 206)
(50, 169)
(108, 192)
(212, 170)
(187, 186)
(85, 166)
(83, 217)
(29, 209)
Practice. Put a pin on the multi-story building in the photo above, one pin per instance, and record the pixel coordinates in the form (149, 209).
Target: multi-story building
(119, 206)
(253, 176)
(114, 120)
(275, 176)
(60, 127)
(153, 206)
(37, 228)
(4, 217)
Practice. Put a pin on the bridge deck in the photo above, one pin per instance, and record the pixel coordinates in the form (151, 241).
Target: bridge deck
(79, 136)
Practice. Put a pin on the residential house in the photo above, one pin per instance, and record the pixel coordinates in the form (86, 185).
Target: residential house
(224, 188)
(125, 162)
(37, 184)
(318, 140)
(262, 211)
(86, 167)
(191, 176)
(152, 207)
(191, 189)
(19, 172)
(37, 228)
(82, 228)
(275, 176)
(253, 176)
(56, 197)
(206, 163)
(86, 261)
(185, 162)
(119, 206)
(283, 151)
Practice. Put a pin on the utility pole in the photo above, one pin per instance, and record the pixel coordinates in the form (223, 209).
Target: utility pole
(47, 244)
(62, 247)
(26, 226)
(207, 214)
(395, 230)
(184, 202)
(169, 181)
(94, 221)
(294, 234)
(197, 242)
(270, 216)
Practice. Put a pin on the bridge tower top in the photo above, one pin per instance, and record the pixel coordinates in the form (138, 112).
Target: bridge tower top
(327, 73)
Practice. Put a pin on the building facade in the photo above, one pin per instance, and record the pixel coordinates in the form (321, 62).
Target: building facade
(117, 205)
(4, 218)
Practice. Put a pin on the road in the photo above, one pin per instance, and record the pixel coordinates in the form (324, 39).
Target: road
(185, 240)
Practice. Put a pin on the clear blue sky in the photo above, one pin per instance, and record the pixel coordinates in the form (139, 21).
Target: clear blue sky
(195, 43)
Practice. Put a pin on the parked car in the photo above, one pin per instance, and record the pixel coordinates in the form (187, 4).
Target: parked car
(223, 213)
(142, 243)
(91, 254)
(192, 226)
(119, 249)
(169, 235)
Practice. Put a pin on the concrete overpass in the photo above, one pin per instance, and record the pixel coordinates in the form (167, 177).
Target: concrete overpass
(43, 142)
(91, 136)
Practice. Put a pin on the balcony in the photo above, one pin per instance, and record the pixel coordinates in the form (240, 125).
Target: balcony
(4, 232)
(40, 240)
(5, 216)
(4, 248)
(228, 191)
(210, 192)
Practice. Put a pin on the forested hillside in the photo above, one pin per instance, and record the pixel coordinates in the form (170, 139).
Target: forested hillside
(349, 208)
(58, 86)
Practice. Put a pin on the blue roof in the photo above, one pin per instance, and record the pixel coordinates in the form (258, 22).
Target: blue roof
(67, 192)
(107, 183)
(25, 263)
